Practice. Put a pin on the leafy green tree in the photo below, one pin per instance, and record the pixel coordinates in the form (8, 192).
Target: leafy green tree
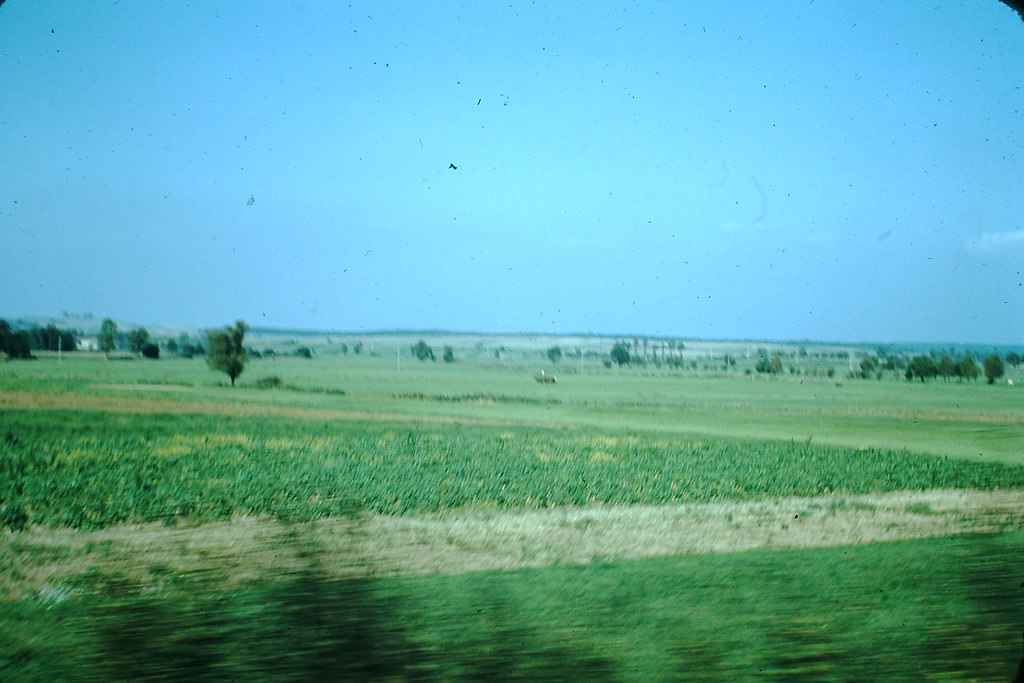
(868, 366)
(138, 338)
(108, 335)
(772, 365)
(19, 345)
(50, 338)
(1013, 358)
(449, 355)
(422, 351)
(620, 354)
(5, 335)
(947, 367)
(967, 368)
(922, 367)
(150, 350)
(555, 354)
(993, 368)
(14, 344)
(304, 352)
(226, 350)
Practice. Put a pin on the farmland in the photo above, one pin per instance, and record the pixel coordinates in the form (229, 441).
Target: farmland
(631, 523)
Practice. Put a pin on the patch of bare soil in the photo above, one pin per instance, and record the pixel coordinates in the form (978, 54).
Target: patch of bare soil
(144, 387)
(148, 405)
(39, 562)
(27, 400)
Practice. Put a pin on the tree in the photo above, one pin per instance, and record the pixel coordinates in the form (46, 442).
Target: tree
(1013, 358)
(150, 350)
(555, 354)
(620, 353)
(449, 355)
(304, 352)
(226, 352)
(19, 345)
(138, 338)
(967, 368)
(422, 351)
(768, 365)
(108, 335)
(947, 367)
(993, 368)
(14, 344)
(922, 367)
(50, 338)
(868, 366)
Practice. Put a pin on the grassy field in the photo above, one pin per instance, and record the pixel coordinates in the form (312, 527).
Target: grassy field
(962, 420)
(161, 523)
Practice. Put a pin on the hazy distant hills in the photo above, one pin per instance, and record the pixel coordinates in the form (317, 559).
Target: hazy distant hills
(86, 325)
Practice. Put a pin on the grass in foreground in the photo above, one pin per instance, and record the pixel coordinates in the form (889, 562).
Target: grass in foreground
(947, 609)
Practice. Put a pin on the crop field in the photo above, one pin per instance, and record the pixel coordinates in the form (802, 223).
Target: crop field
(383, 520)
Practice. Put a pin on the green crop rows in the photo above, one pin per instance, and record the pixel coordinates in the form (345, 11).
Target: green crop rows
(91, 470)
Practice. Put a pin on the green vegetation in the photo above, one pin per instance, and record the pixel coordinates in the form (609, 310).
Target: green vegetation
(92, 446)
(422, 351)
(993, 367)
(945, 608)
(554, 354)
(91, 470)
(20, 344)
(227, 350)
(137, 339)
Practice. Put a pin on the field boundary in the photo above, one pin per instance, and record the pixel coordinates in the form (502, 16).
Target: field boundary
(39, 562)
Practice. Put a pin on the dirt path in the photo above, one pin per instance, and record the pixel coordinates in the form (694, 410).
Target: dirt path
(39, 561)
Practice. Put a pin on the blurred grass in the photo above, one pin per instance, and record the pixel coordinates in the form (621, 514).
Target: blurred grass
(945, 609)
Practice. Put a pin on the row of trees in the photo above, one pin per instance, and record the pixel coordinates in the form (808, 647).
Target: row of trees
(21, 343)
(925, 367)
(137, 340)
(919, 367)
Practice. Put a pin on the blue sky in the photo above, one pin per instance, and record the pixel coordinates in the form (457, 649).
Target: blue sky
(825, 170)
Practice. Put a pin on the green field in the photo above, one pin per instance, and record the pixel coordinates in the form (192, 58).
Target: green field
(161, 523)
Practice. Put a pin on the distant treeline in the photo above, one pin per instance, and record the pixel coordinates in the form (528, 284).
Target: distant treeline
(21, 343)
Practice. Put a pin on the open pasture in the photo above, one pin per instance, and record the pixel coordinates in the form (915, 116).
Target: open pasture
(963, 420)
(631, 524)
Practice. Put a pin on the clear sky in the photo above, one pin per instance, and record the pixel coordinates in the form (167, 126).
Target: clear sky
(848, 171)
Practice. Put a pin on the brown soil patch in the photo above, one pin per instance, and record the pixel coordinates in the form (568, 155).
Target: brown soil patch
(27, 400)
(144, 387)
(38, 562)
